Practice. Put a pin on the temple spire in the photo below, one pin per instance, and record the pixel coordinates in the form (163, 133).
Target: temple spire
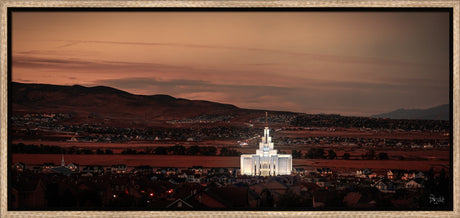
(63, 161)
(266, 118)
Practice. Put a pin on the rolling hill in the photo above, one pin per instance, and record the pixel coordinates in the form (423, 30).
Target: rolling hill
(435, 113)
(105, 104)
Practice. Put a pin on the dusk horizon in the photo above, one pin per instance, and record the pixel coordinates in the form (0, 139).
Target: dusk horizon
(352, 63)
(268, 109)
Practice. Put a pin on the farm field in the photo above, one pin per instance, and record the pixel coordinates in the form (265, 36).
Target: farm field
(130, 160)
(219, 161)
(375, 165)
(393, 153)
(132, 144)
(356, 133)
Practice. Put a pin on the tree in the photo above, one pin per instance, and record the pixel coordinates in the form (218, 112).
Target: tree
(296, 154)
(147, 150)
(177, 150)
(223, 151)
(72, 150)
(209, 150)
(289, 200)
(52, 194)
(129, 151)
(309, 154)
(87, 151)
(370, 155)
(383, 156)
(229, 152)
(266, 198)
(108, 151)
(315, 153)
(233, 152)
(67, 199)
(161, 150)
(319, 153)
(331, 154)
(346, 156)
(193, 150)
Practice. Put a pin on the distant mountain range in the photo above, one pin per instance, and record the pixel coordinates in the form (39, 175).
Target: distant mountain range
(105, 104)
(109, 105)
(435, 113)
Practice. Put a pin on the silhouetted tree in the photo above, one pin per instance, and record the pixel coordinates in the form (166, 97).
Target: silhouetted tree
(87, 151)
(178, 150)
(315, 153)
(229, 152)
(223, 151)
(370, 155)
(129, 151)
(208, 150)
(383, 156)
(266, 198)
(289, 199)
(193, 150)
(68, 199)
(72, 150)
(52, 194)
(331, 154)
(296, 154)
(161, 150)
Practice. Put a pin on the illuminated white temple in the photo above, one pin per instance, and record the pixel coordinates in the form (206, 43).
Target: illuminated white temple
(266, 161)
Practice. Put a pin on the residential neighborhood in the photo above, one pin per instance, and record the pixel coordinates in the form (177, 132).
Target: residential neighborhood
(197, 188)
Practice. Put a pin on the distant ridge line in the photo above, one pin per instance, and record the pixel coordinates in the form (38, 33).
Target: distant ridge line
(441, 112)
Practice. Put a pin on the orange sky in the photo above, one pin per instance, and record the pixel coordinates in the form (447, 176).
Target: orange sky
(352, 63)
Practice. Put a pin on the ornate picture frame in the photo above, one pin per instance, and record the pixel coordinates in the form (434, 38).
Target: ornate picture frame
(5, 5)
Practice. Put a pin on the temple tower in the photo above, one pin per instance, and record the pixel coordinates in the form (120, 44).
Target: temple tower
(266, 161)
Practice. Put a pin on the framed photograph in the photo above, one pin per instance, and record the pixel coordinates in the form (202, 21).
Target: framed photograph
(229, 108)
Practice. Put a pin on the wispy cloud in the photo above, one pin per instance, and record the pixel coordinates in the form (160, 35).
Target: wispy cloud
(244, 88)
(29, 61)
(207, 77)
(312, 56)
